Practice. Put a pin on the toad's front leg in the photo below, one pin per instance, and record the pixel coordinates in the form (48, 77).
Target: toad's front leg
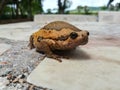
(44, 48)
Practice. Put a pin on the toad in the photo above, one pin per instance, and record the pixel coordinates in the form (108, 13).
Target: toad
(57, 35)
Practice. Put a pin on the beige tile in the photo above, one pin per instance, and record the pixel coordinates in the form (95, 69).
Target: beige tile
(86, 73)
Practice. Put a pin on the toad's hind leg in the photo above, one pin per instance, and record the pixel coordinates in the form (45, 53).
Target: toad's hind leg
(44, 48)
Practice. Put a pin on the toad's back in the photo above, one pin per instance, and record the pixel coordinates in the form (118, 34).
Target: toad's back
(58, 25)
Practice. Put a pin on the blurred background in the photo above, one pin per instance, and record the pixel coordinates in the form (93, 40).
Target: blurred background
(24, 10)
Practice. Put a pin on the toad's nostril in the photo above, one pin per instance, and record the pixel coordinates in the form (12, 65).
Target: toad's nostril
(87, 33)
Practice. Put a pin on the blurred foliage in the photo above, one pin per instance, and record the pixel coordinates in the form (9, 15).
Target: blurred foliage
(17, 9)
(20, 8)
(79, 8)
(82, 10)
(34, 5)
(63, 5)
(37, 7)
(117, 6)
(86, 10)
(103, 7)
(7, 10)
(111, 7)
(49, 11)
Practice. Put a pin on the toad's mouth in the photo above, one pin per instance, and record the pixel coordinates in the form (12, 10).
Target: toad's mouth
(84, 41)
(75, 44)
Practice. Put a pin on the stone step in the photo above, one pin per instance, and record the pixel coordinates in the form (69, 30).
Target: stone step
(96, 68)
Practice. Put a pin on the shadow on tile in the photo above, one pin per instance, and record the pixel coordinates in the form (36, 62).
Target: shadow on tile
(76, 54)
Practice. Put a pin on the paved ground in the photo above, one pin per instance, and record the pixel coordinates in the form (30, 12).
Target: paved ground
(94, 66)
(4, 47)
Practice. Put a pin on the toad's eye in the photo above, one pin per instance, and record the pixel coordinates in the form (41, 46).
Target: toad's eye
(73, 35)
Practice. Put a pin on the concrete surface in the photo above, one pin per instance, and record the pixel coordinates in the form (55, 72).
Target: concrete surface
(17, 31)
(4, 47)
(109, 16)
(95, 66)
(22, 31)
(70, 18)
(95, 69)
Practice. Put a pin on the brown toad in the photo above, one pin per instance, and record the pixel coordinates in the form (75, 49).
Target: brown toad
(57, 35)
